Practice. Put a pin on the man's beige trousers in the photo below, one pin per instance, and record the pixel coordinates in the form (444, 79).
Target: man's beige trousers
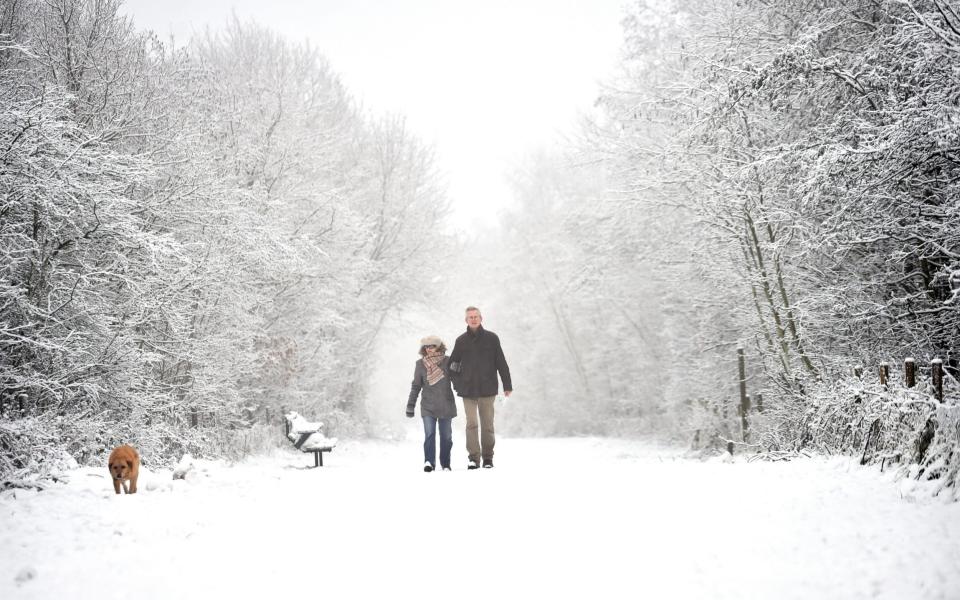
(480, 436)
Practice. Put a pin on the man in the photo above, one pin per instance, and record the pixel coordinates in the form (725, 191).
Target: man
(474, 363)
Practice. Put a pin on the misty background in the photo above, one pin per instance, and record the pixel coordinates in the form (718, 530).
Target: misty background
(210, 217)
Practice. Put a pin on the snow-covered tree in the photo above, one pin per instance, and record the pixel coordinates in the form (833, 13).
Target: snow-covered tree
(810, 148)
(192, 238)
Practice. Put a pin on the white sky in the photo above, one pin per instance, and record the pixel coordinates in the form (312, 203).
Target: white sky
(485, 83)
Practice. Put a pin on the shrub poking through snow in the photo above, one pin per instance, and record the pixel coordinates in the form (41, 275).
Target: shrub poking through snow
(905, 427)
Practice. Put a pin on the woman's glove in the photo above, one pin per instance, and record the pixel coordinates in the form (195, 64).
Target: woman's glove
(409, 414)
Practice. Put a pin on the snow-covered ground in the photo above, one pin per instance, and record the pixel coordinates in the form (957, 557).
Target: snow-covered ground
(571, 518)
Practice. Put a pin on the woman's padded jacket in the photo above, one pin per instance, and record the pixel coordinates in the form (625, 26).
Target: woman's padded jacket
(438, 401)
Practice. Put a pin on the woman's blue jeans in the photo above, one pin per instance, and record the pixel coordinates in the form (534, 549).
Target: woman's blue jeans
(430, 440)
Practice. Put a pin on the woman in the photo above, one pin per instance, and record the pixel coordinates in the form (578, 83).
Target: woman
(438, 406)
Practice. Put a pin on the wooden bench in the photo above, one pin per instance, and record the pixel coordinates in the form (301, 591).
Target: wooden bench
(306, 437)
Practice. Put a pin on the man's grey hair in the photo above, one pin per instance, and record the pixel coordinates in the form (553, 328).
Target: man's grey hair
(469, 308)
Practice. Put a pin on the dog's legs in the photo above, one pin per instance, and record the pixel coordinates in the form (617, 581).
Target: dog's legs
(133, 485)
(116, 485)
(126, 488)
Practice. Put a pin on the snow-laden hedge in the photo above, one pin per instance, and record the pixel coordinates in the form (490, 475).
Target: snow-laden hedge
(904, 427)
(34, 450)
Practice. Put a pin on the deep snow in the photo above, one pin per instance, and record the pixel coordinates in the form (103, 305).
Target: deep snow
(572, 518)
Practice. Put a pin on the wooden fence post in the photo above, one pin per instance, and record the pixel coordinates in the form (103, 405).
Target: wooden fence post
(744, 399)
(744, 424)
(759, 402)
(884, 374)
(910, 372)
(936, 371)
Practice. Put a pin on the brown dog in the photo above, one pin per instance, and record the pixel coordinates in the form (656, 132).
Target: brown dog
(124, 465)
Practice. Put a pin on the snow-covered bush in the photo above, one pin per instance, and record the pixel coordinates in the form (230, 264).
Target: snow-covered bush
(905, 428)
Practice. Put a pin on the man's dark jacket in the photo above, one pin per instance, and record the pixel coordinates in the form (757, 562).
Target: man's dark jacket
(474, 363)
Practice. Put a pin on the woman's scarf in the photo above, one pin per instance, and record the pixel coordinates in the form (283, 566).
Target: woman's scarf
(434, 370)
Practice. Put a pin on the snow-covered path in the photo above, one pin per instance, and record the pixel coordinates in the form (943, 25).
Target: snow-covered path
(565, 518)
